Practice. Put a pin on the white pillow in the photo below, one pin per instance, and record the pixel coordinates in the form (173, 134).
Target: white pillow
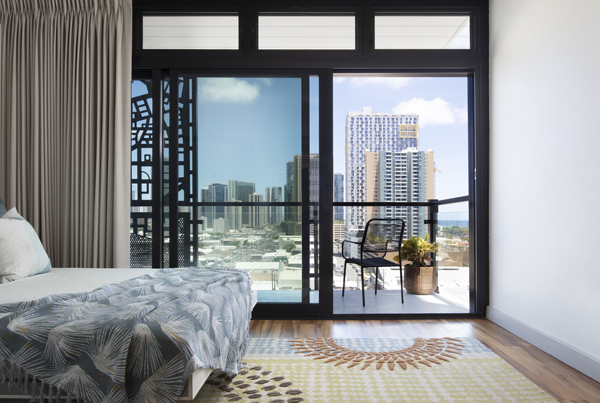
(21, 252)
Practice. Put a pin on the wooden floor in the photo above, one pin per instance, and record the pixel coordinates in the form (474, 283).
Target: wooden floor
(562, 382)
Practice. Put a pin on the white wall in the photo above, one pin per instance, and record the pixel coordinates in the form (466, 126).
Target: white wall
(545, 175)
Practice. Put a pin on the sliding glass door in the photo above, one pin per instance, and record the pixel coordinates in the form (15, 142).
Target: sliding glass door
(270, 173)
(248, 161)
(401, 151)
(240, 178)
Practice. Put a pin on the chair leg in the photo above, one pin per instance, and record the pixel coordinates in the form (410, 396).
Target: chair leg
(344, 280)
(376, 278)
(362, 281)
(401, 285)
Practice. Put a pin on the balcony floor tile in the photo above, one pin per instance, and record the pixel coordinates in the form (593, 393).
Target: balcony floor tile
(389, 302)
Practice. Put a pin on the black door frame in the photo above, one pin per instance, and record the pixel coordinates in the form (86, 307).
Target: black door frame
(472, 63)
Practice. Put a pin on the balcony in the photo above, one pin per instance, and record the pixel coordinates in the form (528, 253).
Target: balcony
(448, 229)
(286, 269)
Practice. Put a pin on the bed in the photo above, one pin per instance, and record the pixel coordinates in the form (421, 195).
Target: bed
(75, 290)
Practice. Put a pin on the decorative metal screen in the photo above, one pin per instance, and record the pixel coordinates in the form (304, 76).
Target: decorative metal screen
(187, 174)
(141, 175)
(142, 137)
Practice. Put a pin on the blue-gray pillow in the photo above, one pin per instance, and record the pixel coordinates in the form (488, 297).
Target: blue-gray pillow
(2, 208)
(21, 252)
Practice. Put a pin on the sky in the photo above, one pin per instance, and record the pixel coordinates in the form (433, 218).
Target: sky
(250, 127)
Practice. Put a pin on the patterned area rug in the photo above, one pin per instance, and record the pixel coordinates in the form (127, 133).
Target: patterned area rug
(328, 370)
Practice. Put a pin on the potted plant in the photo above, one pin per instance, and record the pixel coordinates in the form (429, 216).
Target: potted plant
(419, 278)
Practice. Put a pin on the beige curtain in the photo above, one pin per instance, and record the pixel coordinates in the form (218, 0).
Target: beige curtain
(65, 71)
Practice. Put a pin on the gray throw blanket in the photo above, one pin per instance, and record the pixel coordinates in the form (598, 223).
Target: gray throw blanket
(135, 341)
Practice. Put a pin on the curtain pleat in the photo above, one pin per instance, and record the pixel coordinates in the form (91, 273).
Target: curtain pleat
(65, 79)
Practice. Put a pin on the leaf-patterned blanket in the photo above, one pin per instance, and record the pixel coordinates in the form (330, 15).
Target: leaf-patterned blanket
(135, 341)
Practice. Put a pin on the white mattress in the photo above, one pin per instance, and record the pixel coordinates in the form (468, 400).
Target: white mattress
(69, 281)
(62, 281)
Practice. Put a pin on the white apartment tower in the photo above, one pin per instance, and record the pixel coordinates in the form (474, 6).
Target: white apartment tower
(257, 214)
(368, 131)
(234, 215)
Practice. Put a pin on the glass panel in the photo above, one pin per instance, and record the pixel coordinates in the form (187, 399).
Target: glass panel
(314, 188)
(141, 174)
(388, 154)
(453, 256)
(191, 32)
(240, 181)
(422, 32)
(306, 32)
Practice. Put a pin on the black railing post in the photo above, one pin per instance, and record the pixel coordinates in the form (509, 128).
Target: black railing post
(305, 179)
(432, 222)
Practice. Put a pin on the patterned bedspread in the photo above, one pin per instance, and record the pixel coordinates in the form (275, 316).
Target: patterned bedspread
(135, 341)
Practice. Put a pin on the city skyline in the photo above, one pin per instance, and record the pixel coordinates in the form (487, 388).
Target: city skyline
(440, 102)
(249, 128)
(238, 191)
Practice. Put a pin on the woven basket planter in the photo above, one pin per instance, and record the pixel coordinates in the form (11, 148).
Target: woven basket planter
(420, 280)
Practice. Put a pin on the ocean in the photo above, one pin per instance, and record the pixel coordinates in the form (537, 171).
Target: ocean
(452, 223)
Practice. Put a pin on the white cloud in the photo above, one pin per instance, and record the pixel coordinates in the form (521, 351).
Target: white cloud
(265, 81)
(231, 90)
(339, 79)
(392, 82)
(434, 112)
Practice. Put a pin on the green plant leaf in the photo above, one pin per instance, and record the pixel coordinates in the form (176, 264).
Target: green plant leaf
(418, 250)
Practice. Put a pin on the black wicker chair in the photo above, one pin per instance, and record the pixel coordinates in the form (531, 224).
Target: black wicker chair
(382, 237)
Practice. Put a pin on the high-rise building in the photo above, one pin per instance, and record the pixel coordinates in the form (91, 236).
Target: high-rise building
(288, 191)
(221, 225)
(240, 191)
(368, 131)
(371, 185)
(399, 177)
(274, 194)
(339, 231)
(429, 175)
(234, 215)
(203, 210)
(217, 192)
(257, 213)
(338, 196)
(313, 183)
(297, 190)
